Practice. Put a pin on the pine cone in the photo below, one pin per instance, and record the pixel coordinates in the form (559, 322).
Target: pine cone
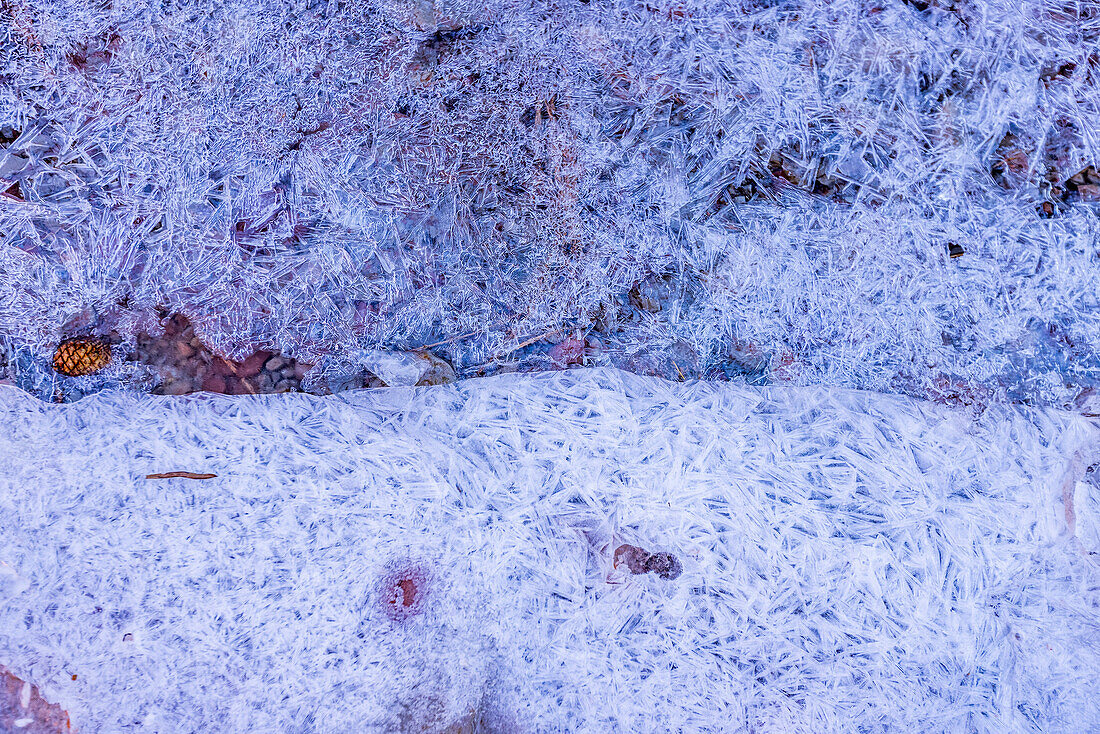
(81, 355)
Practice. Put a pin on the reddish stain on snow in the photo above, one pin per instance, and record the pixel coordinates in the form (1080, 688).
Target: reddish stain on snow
(785, 366)
(407, 592)
(403, 592)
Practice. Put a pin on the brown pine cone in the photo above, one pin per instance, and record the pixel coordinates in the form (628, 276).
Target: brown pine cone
(81, 355)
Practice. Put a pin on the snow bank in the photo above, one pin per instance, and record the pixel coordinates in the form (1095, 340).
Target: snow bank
(413, 559)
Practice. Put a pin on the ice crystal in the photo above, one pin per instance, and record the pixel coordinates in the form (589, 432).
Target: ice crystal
(320, 177)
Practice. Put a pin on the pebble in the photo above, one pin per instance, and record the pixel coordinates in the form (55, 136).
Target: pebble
(640, 561)
(176, 387)
(264, 382)
(224, 368)
(276, 363)
(633, 557)
(568, 352)
(252, 364)
(439, 372)
(665, 565)
(1089, 193)
(284, 386)
(184, 350)
(595, 347)
(214, 383)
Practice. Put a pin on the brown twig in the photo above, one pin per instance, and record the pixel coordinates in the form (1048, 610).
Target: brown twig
(504, 353)
(180, 475)
(529, 342)
(448, 341)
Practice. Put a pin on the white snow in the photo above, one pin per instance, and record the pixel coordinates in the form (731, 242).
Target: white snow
(851, 561)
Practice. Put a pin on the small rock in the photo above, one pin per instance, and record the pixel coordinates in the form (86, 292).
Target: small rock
(80, 322)
(632, 557)
(1089, 193)
(246, 387)
(1088, 402)
(214, 383)
(300, 369)
(276, 363)
(176, 387)
(439, 371)
(784, 366)
(639, 561)
(195, 342)
(223, 367)
(22, 707)
(264, 382)
(568, 352)
(652, 295)
(290, 372)
(184, 350)
(252, 365)
(284, 386)
(176, 324)
(419, 14)
(397, 369)
(665, 565)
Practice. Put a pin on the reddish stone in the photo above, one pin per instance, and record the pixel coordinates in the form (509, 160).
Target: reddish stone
(568, 352)
(184, 351)
(640, 561)
(46, 718)
(223, 368)
(237, 386)
(214, 383)
(176, 324)
(1089, 193)
(633, 557)
(252, 365)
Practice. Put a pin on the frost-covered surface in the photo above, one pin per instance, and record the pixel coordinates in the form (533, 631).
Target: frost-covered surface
(699, 185)
(851, 562)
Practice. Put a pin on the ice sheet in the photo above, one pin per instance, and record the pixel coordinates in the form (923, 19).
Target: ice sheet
(851, 561)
